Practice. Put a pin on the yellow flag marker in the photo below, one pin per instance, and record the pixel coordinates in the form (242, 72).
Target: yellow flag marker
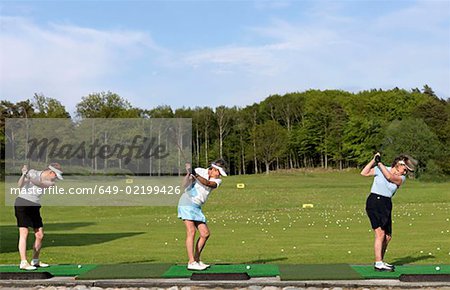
(240, 185)
(308, 205)
(129, 180)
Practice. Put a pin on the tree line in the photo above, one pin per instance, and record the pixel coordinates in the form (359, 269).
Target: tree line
(315, 128)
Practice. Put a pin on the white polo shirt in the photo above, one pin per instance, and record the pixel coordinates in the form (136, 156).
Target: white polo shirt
(198, 192)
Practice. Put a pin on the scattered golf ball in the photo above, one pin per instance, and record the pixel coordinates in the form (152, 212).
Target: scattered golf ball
(349, 252)
(248, 267)
(79, 266)
(438, 268)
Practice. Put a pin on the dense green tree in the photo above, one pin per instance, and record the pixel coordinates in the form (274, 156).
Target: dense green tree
(362, 138)
(328, 128)
(412, 136)
(428, 91)
(271, 142)
(106, 105)
(48, 107)
(224, 118)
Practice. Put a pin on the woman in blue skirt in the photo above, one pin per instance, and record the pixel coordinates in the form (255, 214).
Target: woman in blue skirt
(198, 184)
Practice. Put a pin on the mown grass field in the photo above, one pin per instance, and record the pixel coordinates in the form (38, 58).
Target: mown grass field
(263, 223)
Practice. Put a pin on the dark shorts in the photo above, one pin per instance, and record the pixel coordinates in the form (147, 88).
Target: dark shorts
(27, 214)
(379, 211)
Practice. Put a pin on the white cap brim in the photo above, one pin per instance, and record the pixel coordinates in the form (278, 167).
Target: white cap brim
(57, 172)
(404, 163)
(222, 172)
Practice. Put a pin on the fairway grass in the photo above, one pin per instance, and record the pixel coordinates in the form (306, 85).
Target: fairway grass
(261, 223)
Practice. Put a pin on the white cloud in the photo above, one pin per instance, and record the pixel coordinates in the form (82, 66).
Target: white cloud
(337, 52)
(422, 16)
(283, 56)
(63, 60)
(285, 44)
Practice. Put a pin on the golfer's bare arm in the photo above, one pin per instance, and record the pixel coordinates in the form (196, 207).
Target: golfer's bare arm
(389, 176)
(43, 183)
(187, 180)
(22, 180)
(206, 182)
(369, 170)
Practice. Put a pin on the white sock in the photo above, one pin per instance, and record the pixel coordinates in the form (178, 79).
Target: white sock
(22, 262)
(379, 264)
(34, 261)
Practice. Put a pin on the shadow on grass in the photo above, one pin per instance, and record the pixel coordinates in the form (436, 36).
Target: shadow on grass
(139, 262)
(9, 236)
(264, 261)
(411, 259)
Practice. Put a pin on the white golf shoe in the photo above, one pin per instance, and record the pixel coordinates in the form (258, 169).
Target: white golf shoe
(203, 264)
(24, 265)
(37, 263)
(382, 268)
(195, 266)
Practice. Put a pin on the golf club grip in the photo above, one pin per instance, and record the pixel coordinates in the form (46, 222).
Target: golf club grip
(192, 171)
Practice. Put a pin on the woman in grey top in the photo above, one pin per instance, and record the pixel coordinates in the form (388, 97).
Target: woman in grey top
(27, 210)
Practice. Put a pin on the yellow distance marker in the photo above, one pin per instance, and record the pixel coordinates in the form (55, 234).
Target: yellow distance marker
(240, 185)
(308, 205)
(129, 180)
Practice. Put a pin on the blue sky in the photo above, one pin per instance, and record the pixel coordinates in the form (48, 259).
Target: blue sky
(211, 53)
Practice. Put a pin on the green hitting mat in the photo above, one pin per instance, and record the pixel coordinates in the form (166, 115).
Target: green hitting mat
(367, 272)
(55, 270)
(318, 272)
(126, 271)
(253, 270)
(286, 272)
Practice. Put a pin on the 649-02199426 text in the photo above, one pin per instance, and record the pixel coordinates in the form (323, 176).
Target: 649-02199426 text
(101, 190)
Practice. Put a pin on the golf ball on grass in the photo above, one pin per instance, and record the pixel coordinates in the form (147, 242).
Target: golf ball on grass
(79, 266)
(248, 267)
(438, 268)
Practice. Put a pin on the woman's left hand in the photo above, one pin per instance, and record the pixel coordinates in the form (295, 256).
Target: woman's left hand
(188, 167)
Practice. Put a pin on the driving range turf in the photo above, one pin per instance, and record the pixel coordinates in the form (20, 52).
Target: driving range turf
(263, 223)
(286, 272)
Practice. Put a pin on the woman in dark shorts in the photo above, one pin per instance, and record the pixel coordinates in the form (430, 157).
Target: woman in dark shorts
(379, 204)
(27, 210)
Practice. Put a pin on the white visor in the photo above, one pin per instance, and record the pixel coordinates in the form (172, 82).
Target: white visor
(401, 162)
(57, 172)
(222, 172)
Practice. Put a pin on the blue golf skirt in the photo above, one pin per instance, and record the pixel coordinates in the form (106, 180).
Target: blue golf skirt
(188, 210)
